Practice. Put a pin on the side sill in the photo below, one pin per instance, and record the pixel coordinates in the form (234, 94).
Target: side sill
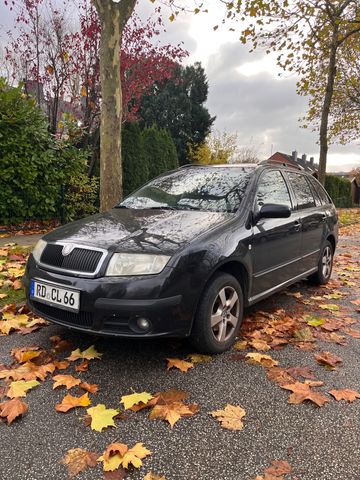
(267, 293)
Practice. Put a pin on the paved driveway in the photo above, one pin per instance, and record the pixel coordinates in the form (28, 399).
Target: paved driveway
(319, 443)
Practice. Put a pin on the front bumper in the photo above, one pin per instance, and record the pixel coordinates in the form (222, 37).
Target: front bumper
(111, 306)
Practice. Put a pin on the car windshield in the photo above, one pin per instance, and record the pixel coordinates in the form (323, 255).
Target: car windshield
(215, 189)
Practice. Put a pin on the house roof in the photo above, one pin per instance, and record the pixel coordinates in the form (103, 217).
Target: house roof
(307, 166)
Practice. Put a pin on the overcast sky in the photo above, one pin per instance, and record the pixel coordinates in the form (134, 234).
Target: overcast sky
(246, 93)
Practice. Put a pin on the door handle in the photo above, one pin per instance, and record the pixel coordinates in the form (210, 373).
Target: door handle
(297, 225)
(324, 217)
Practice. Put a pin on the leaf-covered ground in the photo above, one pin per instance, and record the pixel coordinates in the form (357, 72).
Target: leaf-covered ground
(282, 404)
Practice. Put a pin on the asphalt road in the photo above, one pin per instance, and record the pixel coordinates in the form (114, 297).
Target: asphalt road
(319, 443)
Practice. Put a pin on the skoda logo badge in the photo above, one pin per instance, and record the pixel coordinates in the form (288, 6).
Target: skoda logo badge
(67, 249)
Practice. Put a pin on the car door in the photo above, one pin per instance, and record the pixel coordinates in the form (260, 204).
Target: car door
(312, 218)
(276, 242)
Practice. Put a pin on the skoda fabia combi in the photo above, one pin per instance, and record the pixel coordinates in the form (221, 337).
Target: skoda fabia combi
(184, 254)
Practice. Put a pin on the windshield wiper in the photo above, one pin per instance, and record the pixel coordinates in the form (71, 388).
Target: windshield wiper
(188, 207)
(121, 206)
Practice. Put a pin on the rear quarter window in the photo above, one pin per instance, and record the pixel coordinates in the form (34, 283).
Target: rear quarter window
(321, 192)
(302, 190)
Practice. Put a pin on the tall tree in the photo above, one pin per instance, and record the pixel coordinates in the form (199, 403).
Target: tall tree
(308, 34)
(113, 17)
(177, 105)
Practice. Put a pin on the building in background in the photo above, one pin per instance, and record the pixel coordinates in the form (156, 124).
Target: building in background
(293, 159)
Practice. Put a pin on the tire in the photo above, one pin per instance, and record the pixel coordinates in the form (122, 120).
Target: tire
(217, 323)
(323, 274)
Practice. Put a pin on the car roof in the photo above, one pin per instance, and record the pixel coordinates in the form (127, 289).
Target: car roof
(264, 163)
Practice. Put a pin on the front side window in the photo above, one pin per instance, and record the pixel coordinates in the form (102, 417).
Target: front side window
(302, 190)
(215, 189)
(272, 189)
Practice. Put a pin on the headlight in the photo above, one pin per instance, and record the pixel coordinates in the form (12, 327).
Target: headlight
(127, 264)
(38, 250)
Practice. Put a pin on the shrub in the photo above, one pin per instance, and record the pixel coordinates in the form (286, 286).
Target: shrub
(339, 190)
(29, 184)
(135, 164)
(160, 151)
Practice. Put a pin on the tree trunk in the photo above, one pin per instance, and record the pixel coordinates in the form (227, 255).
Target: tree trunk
(326, 107)
(113, 17)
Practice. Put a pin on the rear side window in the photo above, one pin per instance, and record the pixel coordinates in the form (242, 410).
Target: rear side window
(272, 189)
(320, 191)
(302, 190)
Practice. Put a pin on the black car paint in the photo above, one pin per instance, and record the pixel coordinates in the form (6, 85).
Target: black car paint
(265, 256)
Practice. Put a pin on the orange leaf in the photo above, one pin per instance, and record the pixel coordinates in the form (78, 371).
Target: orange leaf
(278, 468)
(345, 394)
(328, 359)
(67, 381)
(83, 366)
(182, 365)
(70, 402)
(89, 387)
(12, 409)
(78, 460)
(302, 392)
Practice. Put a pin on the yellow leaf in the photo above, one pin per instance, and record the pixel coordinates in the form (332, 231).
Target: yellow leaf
(260, 359)
(180, 364)
(197, 358)
(172, 412)
(83, 91)
(70, 402)
(88, 354)
(118, 454)
(172, 17)
(102, 417)
(20, 388)
(240, 345)
(230, 417)
(135, 398)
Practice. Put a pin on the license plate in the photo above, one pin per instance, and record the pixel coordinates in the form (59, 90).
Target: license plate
(55, 295)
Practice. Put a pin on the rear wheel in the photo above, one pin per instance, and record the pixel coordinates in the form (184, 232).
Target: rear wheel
(323, 274)
(219, 315)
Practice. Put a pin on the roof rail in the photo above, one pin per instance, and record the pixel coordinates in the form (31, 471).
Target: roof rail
(283, 164)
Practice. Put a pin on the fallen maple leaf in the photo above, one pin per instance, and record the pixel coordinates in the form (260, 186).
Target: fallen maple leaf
(198, 358)
(328, 359)
(88, 354)
(332, 307)
(345, 394)
(260, 359)
(67, 381)
(78, 460)
(135, 398)
(260, 345)
(24, 354)
(182, 365)
(153, 476)
(241, 345)
(302, 392)
(102, 417)
(173, 411)
(12, 409)
(83, 366)
(20, 388)
(118, 454)
(230, 417)
(352, 332)
(278, 468)
(70, 402)
(89, 387)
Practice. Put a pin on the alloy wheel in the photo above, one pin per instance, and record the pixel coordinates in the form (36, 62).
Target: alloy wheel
(225, 313)
(326, 262)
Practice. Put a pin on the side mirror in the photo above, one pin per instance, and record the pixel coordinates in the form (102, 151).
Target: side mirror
(272, 210)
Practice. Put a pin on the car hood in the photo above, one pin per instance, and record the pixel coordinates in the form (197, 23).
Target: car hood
(135, 230)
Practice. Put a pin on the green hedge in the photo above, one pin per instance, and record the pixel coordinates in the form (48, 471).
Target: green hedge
(145, 154)
(339, 190)
(34, 166)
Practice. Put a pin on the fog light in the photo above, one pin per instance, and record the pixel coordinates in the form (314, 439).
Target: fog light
(143, 323)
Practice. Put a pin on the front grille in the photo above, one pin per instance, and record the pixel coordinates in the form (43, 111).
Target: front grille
(81, 319)
(80, 259)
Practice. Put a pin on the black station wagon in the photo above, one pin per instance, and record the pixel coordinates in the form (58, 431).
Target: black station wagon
(184, 254)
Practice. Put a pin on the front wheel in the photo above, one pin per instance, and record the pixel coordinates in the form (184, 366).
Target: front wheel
(219, 315)
(323, 274)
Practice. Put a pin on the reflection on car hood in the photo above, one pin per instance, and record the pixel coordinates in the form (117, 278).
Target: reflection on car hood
(139, 230)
